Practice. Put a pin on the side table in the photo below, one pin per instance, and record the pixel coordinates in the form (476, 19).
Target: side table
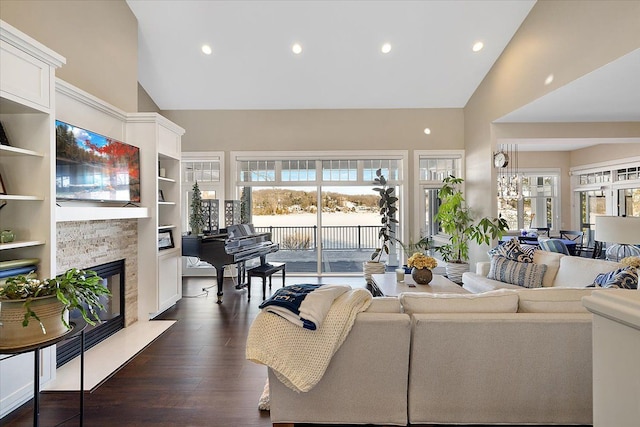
(76, 332)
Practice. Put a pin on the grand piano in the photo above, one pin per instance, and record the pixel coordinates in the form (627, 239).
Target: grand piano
(240, 243)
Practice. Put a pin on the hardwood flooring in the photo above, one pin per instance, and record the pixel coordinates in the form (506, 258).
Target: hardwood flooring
(195, 374)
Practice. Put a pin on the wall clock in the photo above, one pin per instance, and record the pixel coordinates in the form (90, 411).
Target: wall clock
(500, 159)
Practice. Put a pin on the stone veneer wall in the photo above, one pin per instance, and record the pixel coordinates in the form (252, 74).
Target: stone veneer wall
(85, 244)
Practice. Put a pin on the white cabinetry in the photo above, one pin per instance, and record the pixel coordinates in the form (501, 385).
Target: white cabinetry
(27, 73)
(160, 270)
(616, 346)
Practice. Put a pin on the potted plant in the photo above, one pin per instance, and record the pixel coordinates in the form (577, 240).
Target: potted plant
(36, 310)
(387, 205)
(412, 247)
(456, 220)
(196, 218)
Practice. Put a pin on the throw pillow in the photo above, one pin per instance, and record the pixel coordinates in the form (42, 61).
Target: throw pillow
(499, 301)
(525, 274)
(514, 251)
(625, 278)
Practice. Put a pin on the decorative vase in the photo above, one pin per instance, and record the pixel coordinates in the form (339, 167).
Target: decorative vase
(372, 267)
(13, 334)
(422, 276)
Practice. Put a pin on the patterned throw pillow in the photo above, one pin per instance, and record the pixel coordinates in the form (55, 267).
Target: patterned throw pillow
(626, 278)
(514, 251)
(525, 274)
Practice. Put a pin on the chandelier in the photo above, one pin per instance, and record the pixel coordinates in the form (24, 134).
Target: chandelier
(509, 180)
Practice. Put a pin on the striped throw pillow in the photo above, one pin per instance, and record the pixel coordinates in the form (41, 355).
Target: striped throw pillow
(525, 274)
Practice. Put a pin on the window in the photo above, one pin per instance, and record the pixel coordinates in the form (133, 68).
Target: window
(319, 207)
(205, 168)
(535, 205)
(431, 168)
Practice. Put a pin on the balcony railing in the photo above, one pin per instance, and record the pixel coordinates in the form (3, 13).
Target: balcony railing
(334, 237)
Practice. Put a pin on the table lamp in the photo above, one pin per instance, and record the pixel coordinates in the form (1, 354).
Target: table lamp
(622, 231)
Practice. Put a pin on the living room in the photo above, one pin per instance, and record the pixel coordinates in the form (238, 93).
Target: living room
(593, 34)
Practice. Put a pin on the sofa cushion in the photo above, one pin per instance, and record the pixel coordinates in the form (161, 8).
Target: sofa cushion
(384, 305)
(514, 251)
(578, 272)
(499, 301)
(552, 300)
(552, 261)
(626, 278)
(525, 274)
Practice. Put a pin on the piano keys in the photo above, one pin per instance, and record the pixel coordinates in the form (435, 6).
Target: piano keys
(240, 243)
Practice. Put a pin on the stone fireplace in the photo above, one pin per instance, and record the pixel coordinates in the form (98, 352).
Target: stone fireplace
(86, 244)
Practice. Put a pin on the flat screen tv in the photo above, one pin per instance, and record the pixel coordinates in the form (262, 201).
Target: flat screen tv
(90, 166)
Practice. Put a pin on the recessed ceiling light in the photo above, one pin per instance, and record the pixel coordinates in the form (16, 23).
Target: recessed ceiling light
(296, 48)
(386, 48)
(206, 49)
(427, 131)
(477, 46)
(549, 79)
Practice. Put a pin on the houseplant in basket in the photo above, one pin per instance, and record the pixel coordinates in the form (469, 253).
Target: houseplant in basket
(34, 311)
(456, 220)
(387, 205)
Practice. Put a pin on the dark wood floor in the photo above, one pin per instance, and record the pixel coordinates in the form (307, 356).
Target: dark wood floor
(195, 374)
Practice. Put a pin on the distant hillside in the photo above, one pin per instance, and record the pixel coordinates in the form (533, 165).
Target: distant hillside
(280, 202)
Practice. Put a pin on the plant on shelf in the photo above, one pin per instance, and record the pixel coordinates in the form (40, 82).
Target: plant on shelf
(387, 206)
(196, 217)
(456, 220)
(25, 297)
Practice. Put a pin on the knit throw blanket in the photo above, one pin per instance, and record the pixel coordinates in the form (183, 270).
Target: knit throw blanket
(305, 305)
(299, 357)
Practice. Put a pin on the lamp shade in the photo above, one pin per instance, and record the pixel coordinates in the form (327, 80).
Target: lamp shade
(618, 229)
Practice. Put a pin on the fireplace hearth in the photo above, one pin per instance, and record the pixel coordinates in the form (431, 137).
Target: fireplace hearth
(112, 318)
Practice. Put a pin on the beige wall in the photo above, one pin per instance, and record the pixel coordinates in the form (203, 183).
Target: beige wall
(603, 153)
(145, 103)
(282, 130)
(566, 38)
(99, 39)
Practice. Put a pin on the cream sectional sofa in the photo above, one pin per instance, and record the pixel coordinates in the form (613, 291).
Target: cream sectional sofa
(501, 357)
(562, 271)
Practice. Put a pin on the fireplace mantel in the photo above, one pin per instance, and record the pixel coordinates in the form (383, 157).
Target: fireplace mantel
(92, 213)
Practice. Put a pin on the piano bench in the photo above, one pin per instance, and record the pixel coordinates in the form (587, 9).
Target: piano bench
(264, 271)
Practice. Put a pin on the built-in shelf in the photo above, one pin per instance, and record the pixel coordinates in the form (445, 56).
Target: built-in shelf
(20, 197)
(166, 203)
(166, 227)
(20, 244)
(162, 178)
(76, 213)
(7, 150)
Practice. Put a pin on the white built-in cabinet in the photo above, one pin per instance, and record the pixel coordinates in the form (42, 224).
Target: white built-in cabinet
(27, 106)
(160, 283)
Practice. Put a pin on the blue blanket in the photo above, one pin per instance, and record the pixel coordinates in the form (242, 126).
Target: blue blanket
(18, 270)
(305, 305)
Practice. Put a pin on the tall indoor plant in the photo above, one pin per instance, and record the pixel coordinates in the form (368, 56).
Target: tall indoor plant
(387, 206)
(456, 220)
(36, 310)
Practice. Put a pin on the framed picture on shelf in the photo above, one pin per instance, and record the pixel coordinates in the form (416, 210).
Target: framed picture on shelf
(160, 196)
(2, 191)
(3, 136)
(165, 239)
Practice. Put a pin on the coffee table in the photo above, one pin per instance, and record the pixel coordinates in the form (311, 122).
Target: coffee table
(387, 285)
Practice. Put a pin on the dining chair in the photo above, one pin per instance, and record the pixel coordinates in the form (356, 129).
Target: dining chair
(554, 245)
(542, 231)
(576, 236)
